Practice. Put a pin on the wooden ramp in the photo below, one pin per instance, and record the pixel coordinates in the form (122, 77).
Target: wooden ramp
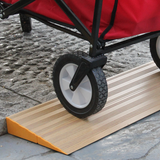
(133, 95)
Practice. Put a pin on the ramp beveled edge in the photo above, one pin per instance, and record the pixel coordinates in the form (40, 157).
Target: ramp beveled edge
(17, 130)
(45, 143)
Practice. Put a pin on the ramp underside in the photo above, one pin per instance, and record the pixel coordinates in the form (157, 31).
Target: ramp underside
(133, 95)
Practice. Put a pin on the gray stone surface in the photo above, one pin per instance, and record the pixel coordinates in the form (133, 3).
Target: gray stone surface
(11, 103)
(12, 148)
(26, 62)
(136, 142)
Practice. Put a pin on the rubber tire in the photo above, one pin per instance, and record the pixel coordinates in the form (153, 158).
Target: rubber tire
(26, 23)
(98, 84)
(153, 50)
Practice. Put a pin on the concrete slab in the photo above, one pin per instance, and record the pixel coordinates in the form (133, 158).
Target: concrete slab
(10, 103)
(139, 141)
(12, 148)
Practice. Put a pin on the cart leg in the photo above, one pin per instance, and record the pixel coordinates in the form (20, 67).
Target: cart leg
(25, 22)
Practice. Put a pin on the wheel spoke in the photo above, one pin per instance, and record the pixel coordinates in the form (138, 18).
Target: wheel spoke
(77, 97)
(65, 83)
(71, 70)
(85, 79)
(85, 84)
(86, 93)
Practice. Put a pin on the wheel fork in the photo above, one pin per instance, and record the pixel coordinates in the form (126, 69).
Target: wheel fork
(86, 64)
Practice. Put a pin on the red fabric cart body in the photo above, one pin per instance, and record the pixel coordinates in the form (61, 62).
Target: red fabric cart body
(133, 17)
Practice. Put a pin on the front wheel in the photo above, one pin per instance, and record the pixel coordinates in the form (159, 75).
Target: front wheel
(155, 50)
(91, 94)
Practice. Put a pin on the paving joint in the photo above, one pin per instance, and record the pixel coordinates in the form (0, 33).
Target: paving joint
(40, 154)
(20, 94)
(147, 153)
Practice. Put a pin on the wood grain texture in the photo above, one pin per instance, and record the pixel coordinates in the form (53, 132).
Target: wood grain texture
(133, 95)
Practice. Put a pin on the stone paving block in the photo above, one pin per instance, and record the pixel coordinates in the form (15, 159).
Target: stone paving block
(12, 148)
(3, 126)
(51, 156)
(11, 103)
(153, 154)
(138, 141)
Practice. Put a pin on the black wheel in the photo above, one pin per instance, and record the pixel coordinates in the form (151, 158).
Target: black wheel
(25, 23)
(91, 94)
(155, 50)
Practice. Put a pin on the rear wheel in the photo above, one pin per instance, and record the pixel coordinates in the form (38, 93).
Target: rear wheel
(91, 94)
(155, 50)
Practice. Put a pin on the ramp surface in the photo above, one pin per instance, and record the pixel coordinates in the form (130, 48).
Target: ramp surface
(133, 95)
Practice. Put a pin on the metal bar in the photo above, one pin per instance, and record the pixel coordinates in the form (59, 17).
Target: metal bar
(58, 27)
(95, 28)
(128, 42)
(78, 24)
(15, 8)
(26, 23)
(33, 14)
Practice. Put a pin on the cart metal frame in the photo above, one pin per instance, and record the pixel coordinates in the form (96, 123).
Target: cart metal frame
(97, 45)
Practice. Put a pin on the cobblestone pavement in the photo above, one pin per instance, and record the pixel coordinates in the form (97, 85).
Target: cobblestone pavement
(26, 62)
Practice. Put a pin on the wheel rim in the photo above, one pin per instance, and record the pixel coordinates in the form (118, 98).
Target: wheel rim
(81, 97)
(158, 46)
